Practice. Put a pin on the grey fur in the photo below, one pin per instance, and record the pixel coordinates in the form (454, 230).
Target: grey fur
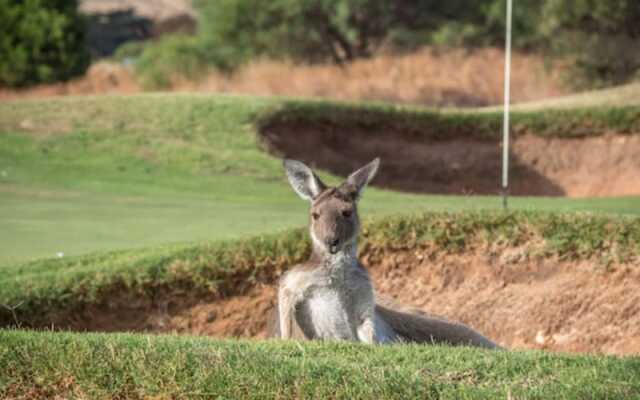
(330, 297)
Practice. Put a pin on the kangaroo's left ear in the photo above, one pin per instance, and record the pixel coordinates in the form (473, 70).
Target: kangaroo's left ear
(360, 178)
(303, 180)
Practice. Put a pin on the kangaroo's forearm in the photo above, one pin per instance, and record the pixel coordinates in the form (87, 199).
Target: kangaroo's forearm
(285, 315)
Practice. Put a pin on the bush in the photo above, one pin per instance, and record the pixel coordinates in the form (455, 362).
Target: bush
(129, 51)
(170, 57)
(343, 30)
(304, 30)
(41, 41)
(484, 24)
(603, 39)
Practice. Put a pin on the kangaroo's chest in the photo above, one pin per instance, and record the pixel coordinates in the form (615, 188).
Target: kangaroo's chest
(331, 300)
(328, 314)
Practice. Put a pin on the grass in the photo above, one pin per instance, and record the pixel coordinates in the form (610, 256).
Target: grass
(621, 96)
(145, 176)
(86, 174)
(448, 124)
(140, 366)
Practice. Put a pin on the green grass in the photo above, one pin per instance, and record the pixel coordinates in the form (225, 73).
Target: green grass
(138, 191)
(86, 174)
(38, 365)
(620, 96)
(454, 123)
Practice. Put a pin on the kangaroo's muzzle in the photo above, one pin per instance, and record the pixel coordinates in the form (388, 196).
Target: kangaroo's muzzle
(333, 246)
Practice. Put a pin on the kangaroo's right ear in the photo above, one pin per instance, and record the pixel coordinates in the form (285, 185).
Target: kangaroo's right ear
(303, 180)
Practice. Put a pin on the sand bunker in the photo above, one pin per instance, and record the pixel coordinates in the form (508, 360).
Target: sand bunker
(519, 302)
(606, 165)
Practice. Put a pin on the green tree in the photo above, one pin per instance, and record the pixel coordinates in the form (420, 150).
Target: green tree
(309, 30)
(603, 38)
(344, 30)
(41, 41)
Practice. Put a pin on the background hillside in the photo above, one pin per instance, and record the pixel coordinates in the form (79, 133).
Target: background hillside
(420, 52)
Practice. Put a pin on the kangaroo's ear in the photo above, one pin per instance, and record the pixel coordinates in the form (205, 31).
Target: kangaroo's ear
(363, 176)
(303, 180)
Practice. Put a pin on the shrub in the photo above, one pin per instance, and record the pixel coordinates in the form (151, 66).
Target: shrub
(603, 39)
(483, 23)
(167, 58)
(343, 30)
(307, 30)
(129, 51)
(41, 41)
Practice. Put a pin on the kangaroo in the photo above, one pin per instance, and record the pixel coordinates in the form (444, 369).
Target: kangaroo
(331, 297)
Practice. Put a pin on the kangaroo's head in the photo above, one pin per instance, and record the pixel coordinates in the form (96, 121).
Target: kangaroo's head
(334, 222)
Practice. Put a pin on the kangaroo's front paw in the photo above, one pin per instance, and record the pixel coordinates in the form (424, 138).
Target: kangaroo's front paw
(366, 331)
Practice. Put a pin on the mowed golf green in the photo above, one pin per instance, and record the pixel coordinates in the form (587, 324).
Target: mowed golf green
(86, 174)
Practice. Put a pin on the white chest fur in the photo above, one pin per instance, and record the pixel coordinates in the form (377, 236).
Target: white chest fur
(328, 314)
(324, 298)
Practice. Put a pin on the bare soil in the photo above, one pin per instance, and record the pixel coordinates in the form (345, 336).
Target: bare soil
(606, 165)
(519, 301)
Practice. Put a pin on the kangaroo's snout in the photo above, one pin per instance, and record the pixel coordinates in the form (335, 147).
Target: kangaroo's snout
(333, 245)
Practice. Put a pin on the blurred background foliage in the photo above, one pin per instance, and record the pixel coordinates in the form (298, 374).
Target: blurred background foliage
(42, 40)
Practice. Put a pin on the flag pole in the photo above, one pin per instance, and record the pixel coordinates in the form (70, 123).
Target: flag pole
(505, 119)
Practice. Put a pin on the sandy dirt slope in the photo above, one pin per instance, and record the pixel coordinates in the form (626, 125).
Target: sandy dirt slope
(520, 301)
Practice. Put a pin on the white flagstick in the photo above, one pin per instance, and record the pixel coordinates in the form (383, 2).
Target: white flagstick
(505, 121)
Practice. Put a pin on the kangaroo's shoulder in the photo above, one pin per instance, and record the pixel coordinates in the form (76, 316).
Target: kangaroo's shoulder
(299, 276)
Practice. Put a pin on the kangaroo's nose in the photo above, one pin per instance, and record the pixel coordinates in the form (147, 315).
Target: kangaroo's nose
(333, 245)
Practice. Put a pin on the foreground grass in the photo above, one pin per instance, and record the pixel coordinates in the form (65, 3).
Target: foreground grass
(86, 174)
(42, 364)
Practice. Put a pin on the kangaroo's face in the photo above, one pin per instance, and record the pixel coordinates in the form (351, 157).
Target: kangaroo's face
(334, 222)
(334, 218)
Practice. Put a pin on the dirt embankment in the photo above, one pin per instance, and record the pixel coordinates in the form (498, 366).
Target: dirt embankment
(520, 302)
(430, 76)
(606, 165)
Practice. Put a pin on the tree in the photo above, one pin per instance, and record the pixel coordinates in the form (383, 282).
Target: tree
(41, 41)
(307, 30)
(602, 37)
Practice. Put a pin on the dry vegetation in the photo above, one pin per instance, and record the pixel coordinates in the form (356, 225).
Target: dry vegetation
(429, 77)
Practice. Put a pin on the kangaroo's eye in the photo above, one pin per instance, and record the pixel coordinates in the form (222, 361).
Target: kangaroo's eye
(315, 215)
(346, 213)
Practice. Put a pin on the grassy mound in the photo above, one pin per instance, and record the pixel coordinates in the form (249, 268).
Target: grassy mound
(38, 365)
(451, 124)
